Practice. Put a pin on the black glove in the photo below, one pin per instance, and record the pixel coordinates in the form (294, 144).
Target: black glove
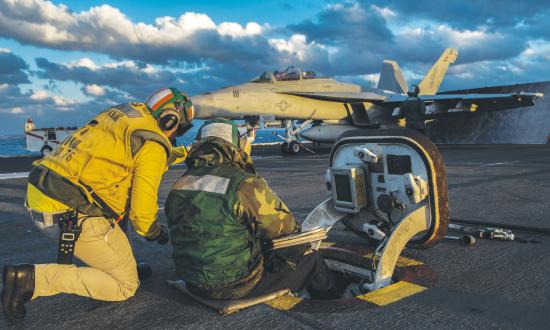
(163, 237)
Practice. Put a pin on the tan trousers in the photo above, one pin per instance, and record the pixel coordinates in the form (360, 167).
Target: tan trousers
(111, 274)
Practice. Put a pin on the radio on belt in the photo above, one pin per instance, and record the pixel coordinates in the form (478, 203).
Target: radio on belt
(393, 183)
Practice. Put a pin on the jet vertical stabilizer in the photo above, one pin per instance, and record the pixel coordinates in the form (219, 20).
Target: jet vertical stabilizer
(391, 78)
(433, 79)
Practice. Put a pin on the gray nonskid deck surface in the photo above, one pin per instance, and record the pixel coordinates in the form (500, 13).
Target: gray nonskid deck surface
(492, 285)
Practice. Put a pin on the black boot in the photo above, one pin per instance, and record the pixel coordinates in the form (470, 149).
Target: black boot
(18, 289)
(144, 271)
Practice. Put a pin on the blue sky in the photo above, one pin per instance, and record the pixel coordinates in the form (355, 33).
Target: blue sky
(61, 62)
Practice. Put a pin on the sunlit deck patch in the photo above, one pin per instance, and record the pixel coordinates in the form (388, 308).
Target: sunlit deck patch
(392, 293)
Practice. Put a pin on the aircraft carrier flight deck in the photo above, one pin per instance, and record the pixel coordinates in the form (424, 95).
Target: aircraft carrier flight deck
(493, 284)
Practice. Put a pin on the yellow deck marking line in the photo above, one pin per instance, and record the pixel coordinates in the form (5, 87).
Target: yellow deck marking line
(401, 262)
(284, 303)
(381, 297)
(392, 293)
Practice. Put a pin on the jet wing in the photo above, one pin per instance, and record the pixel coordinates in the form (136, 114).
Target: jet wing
(447, 104)
(343, 97)
(437, 105)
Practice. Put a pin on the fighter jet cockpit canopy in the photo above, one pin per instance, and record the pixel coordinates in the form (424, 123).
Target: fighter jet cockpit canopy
(290, 73)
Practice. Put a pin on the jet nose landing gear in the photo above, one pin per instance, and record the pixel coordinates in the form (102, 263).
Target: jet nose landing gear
(393, 183)
(291, 143)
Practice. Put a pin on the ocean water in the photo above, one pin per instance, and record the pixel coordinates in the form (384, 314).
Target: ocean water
(14, 145)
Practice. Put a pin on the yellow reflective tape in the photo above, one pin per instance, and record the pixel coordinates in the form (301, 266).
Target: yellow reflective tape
(392, 293)
(284, 303)
(401, 261)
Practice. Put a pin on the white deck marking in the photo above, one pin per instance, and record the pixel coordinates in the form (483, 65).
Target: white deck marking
(265, 157)
(18, 175)
(503, 163)
(316, 157)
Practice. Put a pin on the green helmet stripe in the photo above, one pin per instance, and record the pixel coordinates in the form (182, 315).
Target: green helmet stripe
(177, 97)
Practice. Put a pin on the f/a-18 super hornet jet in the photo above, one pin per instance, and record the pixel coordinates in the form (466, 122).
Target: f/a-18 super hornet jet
(326, 108)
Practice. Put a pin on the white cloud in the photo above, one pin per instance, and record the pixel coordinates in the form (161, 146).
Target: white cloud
(296, 45)
(536, 49)
(108, 30)
(128, 65)
(465, 38)
(413, 75)
(39, 95)
(193, 52)
(253, 28)
(117, 81)
(354, 11)
(474, 45)
(385, 12)
(94, 90)
(83, 62)
(17, 110)
(63, 102)
(236, 30)
(174, 29)
(372, 78)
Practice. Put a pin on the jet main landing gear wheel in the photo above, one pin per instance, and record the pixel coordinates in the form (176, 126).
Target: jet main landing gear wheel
(293, 148)
(290, 148)
(284, 148)
(291, 142)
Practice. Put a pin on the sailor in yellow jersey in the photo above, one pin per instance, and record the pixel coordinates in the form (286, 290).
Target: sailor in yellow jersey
(106, 173)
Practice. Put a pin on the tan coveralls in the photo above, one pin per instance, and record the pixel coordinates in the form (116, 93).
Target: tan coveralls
(111, 274)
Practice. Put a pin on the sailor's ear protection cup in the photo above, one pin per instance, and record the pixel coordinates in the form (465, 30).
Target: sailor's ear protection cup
(168, 120)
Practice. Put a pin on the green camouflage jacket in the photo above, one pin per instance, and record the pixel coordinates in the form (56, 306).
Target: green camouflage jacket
(256, 208)
(256, 201)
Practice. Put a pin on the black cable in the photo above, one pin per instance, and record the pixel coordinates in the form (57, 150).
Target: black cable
(356, 230)
(537, 230)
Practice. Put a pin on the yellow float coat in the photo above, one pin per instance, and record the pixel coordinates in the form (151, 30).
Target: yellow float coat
(121, 155)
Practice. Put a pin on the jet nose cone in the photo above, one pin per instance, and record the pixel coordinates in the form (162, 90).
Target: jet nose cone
(204, 105)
